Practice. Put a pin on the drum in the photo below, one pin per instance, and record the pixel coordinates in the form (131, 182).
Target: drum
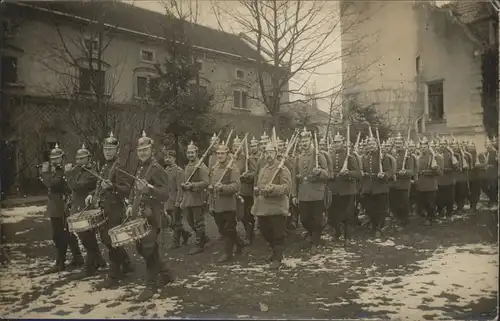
(129, 232)
(86, 220)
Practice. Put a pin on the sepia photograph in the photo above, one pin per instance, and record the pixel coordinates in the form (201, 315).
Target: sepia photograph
(249, 159)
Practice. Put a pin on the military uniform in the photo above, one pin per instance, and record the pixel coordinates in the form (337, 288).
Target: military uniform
(399, 193)
(58, 195)
(224, 186)
(193, 199)
(490, 178)
(475, 173)
(446, 182)
(375, 188)
(175, 177)
(271, 205)
(427, 183)
(343, 188)
(151, 208)
(309, 189)
(460, 176)
(82, 183)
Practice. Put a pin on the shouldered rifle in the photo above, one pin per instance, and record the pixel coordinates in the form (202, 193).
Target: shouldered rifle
(200, 161)
(282, 162)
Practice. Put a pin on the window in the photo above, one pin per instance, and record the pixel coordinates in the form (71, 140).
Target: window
(92, 80)
(9, 69)
(91, 45)
(142, 86)
(417, 65)
(240, 99)
(199, 66)
(147, 55)
(240, 74)
(435, 100)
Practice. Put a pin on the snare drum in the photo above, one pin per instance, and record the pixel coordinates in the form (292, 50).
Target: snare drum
(129, 232)
(86, 220)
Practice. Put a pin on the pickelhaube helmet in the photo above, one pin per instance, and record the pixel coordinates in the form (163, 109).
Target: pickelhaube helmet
(338, 137)
(254, 142)
(236, 141)
(270, 146)
(191, 147)
(214, 138)
(411, 144)
(264, 138)
(110, 141)
(82, 152)
(322, 141)
(370, 140)
(423, 141)
(56, 152)
(222, 148)
(144, 141)
(280, 144)
(305, 133)
(398, 139)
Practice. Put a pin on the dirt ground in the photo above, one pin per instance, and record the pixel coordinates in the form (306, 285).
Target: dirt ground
(446, 271)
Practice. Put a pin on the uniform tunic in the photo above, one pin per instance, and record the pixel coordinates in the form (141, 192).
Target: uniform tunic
(277, 202)
(403, 181)
(308, 187)
(224, 200)
(81, 183)
(175, 177)
(196, 196)
(371, 166)
(343, 185)
(57, 190)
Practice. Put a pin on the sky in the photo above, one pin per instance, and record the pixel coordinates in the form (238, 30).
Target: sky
(330, 74)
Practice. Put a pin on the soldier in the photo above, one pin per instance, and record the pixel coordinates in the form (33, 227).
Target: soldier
(446, 182)
(175, 177)
(475, 174)
(150, 189)
(272, 188)
(323, 149)
(109, 197)
(193, 197)
(376, 184)
(264, 139)
(460, 175)
(52, 176)
(212, 158)
(427, 183)
(309, 188)
(344, 172)
(413, 179)
(224, 187)
(399, 193)
(82, 183)
(490, 178)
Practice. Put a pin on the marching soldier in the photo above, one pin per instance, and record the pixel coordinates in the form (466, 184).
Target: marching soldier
(446, 182)
(193, 197)
(413, 185)
(150, 189)
(427, 184)
(82, 183)
(264, 139)
(109, 196)
(272, 188)
(323, 149)
(475, 174)
(246, 165)
(309, 188)
(399, 194)
(175, 177)
(212, 158)
(344, 172)
(52, 176)
(376, 175)
(490, 178)
(460, 176)
(224, 186)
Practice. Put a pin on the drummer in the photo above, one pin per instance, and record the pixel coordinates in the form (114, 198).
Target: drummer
(110, 194)
(151, 190)
(81, 183)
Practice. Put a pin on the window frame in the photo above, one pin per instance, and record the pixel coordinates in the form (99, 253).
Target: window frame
(15, 66)
(91, 71)
(153, 54)
(430, 97)
(242, 93)
(236, 74)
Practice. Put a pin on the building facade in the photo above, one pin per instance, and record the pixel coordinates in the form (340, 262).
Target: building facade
(54, 53)
(425, 63)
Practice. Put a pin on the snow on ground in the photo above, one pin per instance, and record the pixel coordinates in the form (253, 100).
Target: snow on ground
(17, 214)
(458, 274)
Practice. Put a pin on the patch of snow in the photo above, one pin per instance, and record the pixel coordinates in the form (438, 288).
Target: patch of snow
(474, 272)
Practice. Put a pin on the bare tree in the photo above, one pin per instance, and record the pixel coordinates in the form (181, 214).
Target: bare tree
(294, 41)
(85, 81)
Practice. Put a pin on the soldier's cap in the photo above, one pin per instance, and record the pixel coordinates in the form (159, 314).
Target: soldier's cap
(191, 147)
(254, 142)
(264, 138)
(222, 148)
(398, 139)
(371, 141)
(56, 152)
(144, 142)
(82, 152)
(110, 141)
(338, 137)
(322, 141)
(214, 138)
(270, 147)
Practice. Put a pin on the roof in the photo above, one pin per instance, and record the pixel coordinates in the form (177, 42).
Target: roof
(149, 22)
(470, 11)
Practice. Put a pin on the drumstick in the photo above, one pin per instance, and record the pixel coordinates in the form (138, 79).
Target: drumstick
(134, 177)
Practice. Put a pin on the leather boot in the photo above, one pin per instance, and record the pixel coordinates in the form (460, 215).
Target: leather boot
(200, 243)
(100, 262)
(176, 240)
(110, 282)
(59, 266)
(227, 256)
(185, 237)
(165, 277)
(77, 261)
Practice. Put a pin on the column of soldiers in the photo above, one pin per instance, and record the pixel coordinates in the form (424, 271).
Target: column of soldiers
(270, 185)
